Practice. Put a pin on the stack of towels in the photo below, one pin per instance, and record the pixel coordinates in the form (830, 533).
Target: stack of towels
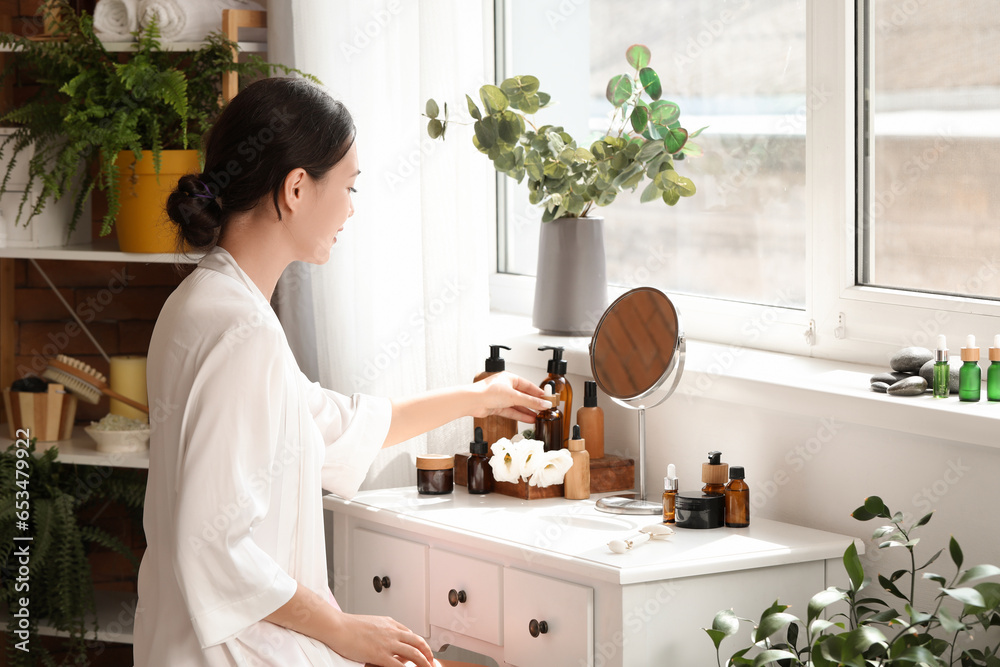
(178, 20)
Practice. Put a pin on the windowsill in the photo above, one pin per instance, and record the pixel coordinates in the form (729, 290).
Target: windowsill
(783, 382)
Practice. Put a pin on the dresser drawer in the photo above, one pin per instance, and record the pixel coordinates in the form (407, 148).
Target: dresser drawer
(561, 613)
(401, 569)
(465, 596)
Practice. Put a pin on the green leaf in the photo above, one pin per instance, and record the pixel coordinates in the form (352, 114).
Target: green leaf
(853, 566)
(875, 505)
(520, 86)
(697, 132)
(716, 636)
(493, 98)
(859, 640)
(637, 55)
(726, 622)
(956, 552)
(890, 587)
(671, 197)
(861, 514)
(650, 82)
(529, 104)
(431, 109)
(692, 149)
(619, 89)
(770, 656)
(916, 654)
(649, 193)
(772, 623)
(434, 128)
(932, 559)
(473, 109)
(936, 577)
(969, 596)
(664, 112)
(485, 133)
(674, 140)
(639, 118)
(882, 531)
(544, 98)
(978, 572)
(509, 127)
(924, 519)
(819, 625)
(950, 624)
(821, 601)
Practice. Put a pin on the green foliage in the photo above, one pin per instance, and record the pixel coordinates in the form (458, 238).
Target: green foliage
(644, 139)
(61, 590)
(90, 106)
(871, 632)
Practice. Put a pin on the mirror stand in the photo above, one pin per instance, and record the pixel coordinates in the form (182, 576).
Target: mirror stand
(632, 503)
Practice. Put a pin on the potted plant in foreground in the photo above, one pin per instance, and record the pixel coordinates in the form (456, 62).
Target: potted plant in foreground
(138, 124)
(867, 631)
(568, 180)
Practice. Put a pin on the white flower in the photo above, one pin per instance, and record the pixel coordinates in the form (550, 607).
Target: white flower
(506, 465)
(501, 445)
(552, 468)
(529, 453)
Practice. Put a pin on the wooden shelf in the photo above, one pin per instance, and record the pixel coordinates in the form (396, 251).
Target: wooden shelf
(99, 250)
(124, 47)
(82, 450)
(115, 619)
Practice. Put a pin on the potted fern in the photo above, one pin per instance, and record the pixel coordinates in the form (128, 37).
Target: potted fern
(44, 500)
(135, 120)
(569, 180)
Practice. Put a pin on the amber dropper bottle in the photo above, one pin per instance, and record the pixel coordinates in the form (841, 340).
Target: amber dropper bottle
(737, 500)
(670, 494)
(549, 423)
(560, 387)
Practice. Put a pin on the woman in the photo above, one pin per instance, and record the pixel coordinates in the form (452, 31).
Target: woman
(242, 442)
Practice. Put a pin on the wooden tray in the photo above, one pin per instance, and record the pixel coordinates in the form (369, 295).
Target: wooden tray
(608, 473)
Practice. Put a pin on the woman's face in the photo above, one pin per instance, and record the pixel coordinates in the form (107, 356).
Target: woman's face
(326, 207)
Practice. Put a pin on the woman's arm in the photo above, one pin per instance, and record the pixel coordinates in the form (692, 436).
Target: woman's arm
(370, 639)
(501, 394)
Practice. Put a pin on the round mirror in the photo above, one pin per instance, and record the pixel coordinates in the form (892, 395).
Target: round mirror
(636, 346)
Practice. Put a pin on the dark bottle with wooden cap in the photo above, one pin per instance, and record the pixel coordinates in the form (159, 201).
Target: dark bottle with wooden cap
(714, 474)
(549, 423)
(577, 481)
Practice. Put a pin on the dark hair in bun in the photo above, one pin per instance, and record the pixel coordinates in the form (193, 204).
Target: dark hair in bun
(271, 127)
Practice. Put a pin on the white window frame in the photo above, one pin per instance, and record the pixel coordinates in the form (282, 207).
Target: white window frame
(841, 320)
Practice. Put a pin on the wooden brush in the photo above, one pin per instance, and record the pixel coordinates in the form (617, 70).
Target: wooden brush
(84, 381)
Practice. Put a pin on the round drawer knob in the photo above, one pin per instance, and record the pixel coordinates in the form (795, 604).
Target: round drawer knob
(456, 597)
(379, 583)
(537, 627)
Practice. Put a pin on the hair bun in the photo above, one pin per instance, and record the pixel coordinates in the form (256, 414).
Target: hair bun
(196, 210)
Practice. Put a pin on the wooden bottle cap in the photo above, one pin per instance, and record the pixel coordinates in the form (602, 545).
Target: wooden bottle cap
(714, 474)
(995, 354)
(971, 354)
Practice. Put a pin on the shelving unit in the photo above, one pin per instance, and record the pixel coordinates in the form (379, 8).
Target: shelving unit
(115, 619)
(98, 250)
(82, 450)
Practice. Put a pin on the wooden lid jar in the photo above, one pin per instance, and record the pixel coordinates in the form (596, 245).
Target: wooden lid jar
(47, 416)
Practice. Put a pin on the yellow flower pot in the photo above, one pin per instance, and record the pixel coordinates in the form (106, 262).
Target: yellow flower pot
(142, 222)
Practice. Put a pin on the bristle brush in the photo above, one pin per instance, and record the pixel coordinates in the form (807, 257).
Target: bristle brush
(85, 381)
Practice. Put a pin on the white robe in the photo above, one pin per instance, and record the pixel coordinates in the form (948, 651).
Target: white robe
(242, 445)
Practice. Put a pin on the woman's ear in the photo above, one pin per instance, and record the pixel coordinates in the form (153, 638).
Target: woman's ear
(292, 188)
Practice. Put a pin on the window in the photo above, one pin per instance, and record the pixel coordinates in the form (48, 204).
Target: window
(845, 204)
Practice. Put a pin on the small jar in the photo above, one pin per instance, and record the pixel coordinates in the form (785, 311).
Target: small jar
(435, 474)
(699, 510)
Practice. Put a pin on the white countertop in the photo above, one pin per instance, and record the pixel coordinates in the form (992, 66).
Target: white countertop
(573, 534)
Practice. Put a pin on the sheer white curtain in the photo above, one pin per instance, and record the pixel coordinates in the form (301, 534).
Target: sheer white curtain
(402, 304)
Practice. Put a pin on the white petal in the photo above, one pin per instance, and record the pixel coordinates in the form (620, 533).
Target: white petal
(552, 468)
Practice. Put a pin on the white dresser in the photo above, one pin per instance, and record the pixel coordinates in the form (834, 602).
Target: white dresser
(533, 582)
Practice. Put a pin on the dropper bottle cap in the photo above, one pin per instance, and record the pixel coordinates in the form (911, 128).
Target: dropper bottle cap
(941, 354)
(970, 352)
(553, 398)
(576, 443)
(995, 350)
(670, 481)
(479, 446)
(590, 394)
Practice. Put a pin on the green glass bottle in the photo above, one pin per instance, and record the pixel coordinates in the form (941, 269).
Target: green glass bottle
(942, 370)
(970, 376)
(993, 373)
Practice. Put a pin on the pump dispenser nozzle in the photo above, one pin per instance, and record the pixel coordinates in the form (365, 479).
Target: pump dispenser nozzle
(495, 363)
(557, 364)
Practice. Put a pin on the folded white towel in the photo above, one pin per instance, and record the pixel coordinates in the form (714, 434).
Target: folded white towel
(116, 20)
(188, 20)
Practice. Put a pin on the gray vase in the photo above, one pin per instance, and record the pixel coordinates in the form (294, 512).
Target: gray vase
(571, 289)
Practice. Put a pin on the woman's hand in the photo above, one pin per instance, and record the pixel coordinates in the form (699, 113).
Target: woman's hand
(381, 641)
(508, 395)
